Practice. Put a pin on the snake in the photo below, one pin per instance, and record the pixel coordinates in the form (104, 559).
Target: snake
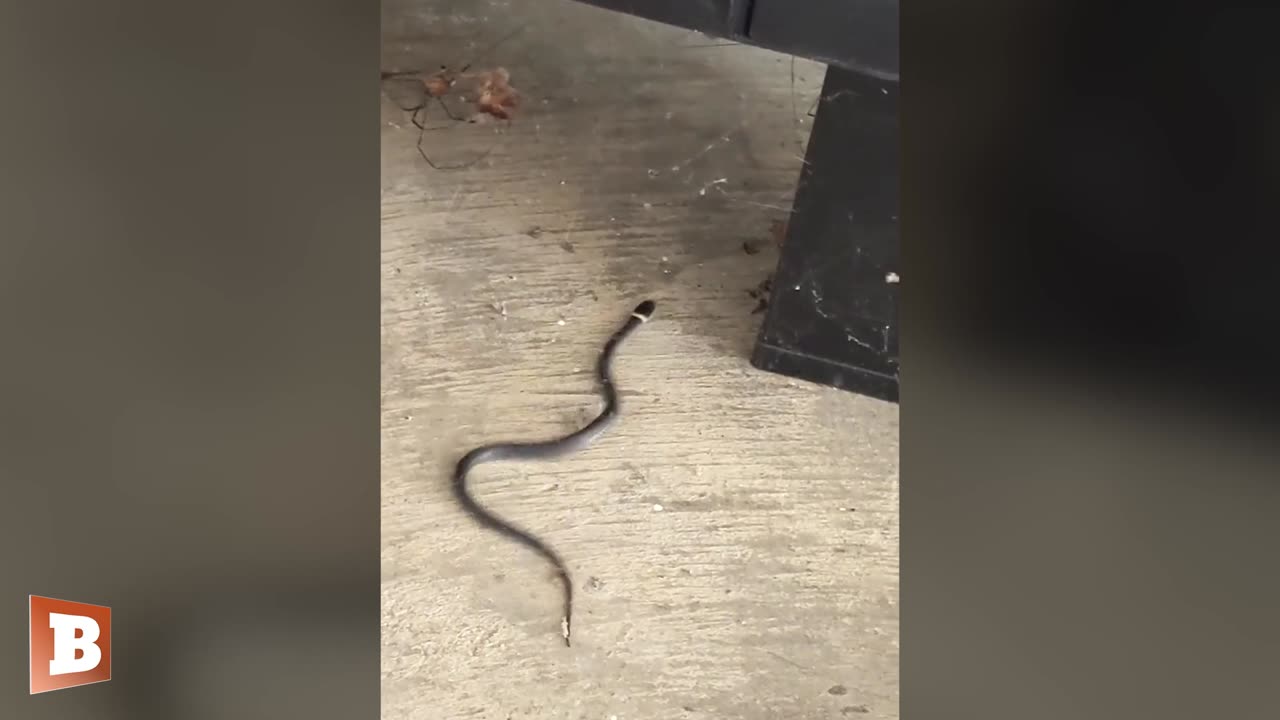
(550, 450)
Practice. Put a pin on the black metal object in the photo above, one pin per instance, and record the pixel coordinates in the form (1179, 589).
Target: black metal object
(833, 314)
(722, 18)
(859, 35)
(833, 311)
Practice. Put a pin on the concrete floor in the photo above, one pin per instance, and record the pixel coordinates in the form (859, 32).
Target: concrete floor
(735, 537)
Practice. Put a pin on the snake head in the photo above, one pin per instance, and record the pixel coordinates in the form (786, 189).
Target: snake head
(644, 310)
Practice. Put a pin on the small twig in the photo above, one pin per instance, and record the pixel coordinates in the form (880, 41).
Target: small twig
(495, 99)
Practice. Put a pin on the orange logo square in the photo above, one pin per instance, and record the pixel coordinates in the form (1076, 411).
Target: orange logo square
(70, 644)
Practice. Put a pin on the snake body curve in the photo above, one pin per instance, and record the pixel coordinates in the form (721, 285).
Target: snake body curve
(548, 450)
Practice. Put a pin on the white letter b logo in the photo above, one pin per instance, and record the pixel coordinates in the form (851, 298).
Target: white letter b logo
(66, 644)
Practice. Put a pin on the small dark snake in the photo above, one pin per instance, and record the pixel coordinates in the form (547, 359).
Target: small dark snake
(548, 450)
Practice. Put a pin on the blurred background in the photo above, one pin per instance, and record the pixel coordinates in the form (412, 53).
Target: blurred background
(188, 306)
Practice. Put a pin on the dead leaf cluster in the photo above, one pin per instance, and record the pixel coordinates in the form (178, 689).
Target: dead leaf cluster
(488, 91)
(496, 97)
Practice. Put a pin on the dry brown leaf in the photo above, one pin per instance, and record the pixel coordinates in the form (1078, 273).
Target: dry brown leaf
(495, 96)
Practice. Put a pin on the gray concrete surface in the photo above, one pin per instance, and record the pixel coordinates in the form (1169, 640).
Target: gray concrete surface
(735, 537)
